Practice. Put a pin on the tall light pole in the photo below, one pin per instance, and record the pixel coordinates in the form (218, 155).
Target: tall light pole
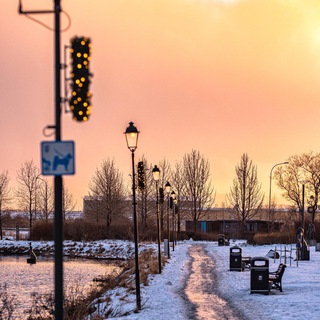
(58, 221)
(168, 189)
(132, 135)
(156, 177)
(278, 164)
(302, 209)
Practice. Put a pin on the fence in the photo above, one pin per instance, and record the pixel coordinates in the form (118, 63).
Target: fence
(16, 233)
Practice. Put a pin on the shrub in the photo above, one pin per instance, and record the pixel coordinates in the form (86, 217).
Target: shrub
(284, 237)
(42, 230)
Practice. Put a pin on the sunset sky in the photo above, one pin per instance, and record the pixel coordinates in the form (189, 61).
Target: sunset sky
(223, 77)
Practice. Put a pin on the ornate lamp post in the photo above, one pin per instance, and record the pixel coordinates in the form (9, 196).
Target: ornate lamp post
(168, 189)
(132, 135)
(156, 177)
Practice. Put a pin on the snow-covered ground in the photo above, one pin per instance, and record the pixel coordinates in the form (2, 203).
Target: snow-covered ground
(166, 296)
(300, 299)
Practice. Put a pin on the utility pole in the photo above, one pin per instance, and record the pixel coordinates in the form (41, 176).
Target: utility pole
(58, 221)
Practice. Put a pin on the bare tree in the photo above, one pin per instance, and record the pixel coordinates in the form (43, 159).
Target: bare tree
(300, 180)
(179, 184)
(44, 200)
(107, 192)
(199, 192)
(4, 194)
(245, 197)
(291, 179)
(68, 203)
(26, 178)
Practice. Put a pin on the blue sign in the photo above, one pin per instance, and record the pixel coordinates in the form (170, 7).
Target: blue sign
(57, 158)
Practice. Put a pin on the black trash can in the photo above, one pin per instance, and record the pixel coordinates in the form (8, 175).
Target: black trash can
(260, 275)
(236, 259)
(221, 240)
(304, 254)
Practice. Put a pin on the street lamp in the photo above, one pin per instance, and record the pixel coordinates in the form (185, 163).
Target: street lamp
(278, 164)
(132, 135)
(168, 189)
(156, 177)
(173, 197)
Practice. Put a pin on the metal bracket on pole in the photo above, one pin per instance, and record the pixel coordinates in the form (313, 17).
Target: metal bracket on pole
(21, 11)
(50, 127)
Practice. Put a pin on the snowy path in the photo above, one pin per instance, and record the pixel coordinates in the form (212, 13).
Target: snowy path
(200, 288)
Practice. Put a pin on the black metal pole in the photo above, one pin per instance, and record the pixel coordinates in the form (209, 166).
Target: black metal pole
(58, 221)
(168, 225)
(136, 251)
(158, 227)
(302, 210)
(172, 224)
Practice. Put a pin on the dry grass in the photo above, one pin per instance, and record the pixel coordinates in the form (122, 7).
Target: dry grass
(148, 265)
(7, 304)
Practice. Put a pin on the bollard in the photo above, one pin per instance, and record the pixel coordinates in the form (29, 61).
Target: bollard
(166, 247)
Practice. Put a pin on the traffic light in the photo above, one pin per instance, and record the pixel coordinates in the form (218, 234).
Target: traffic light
(80, 98)
(141, 176)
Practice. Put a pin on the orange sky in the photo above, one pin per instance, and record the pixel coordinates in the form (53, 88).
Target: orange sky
(222, 77)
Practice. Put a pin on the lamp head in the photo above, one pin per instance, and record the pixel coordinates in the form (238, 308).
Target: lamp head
(168, 187)
(132, 135)
(156, 173)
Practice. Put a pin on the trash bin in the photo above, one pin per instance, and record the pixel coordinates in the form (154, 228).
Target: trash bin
(221, 240)
(304, 253)
(259, 275)
(236, 259)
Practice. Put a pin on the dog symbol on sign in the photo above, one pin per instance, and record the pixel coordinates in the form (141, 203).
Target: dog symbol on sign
(61, 161)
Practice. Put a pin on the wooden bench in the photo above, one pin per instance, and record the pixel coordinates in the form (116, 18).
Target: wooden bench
(275, 278)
